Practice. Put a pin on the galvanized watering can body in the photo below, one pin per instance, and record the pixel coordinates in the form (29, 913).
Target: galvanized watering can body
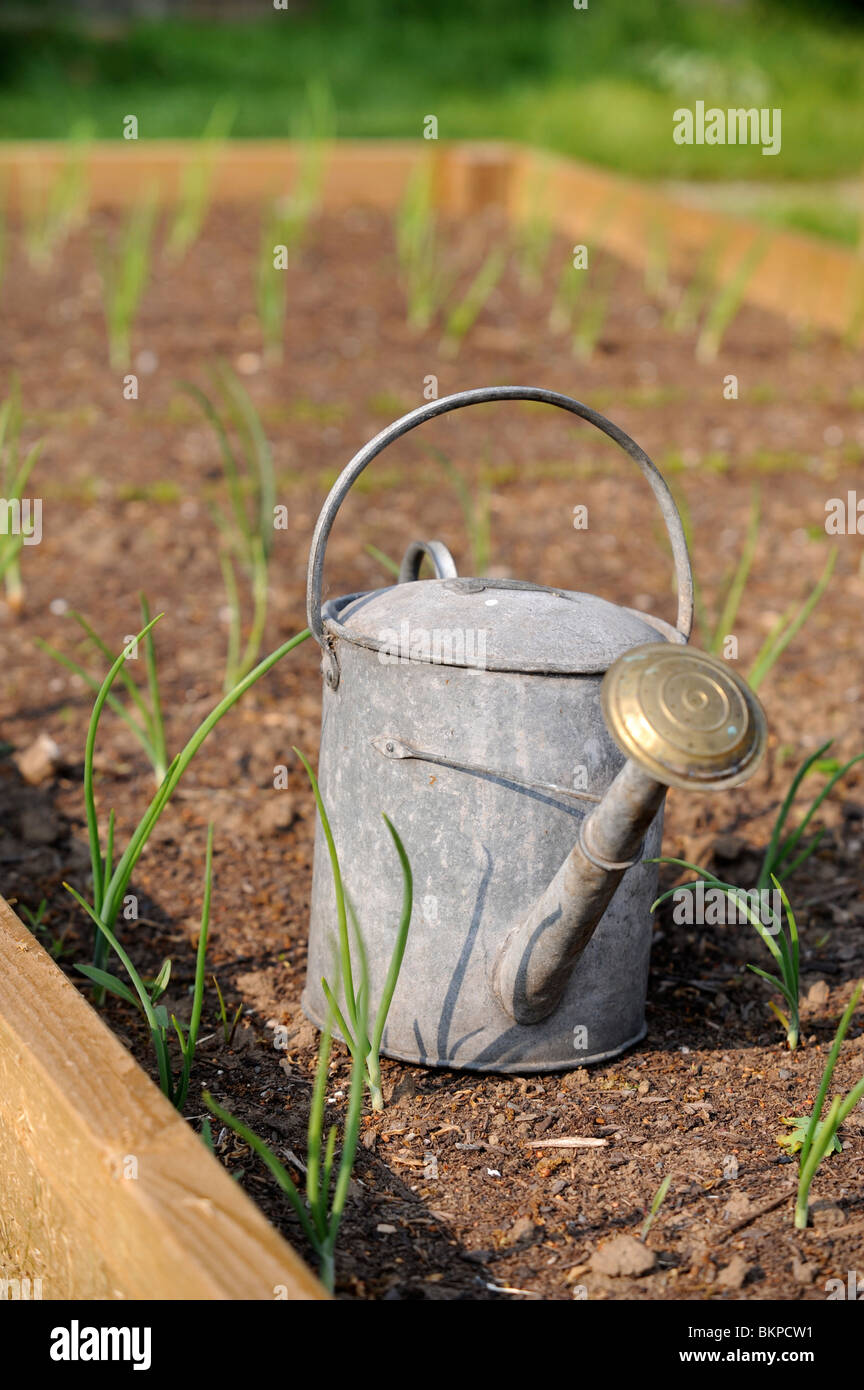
(472, 712)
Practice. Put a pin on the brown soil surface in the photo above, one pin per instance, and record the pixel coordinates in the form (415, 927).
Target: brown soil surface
(125, 487)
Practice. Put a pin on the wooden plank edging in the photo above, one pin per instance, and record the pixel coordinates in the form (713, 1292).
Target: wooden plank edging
(799, 277)
(105, 1192)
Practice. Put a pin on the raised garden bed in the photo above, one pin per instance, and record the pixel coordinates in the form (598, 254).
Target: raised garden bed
(449, 1199)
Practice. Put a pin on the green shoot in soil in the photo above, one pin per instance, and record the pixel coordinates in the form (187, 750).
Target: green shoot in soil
(146, 722)
(229, 1025)
(417, 249)
(52, 214)
(727, 301)
(715, 628)
(821, 1137)
(695, 296)
(109, 882)
(464, 313)
(196, 182)
(286, 221)
(659, 1199)
(788, 625)
(145, 994)
(354, 1028)
(320, 1214)
(125, 268)
(476, 508)
(595, 308)
(54, 943)
(247, 528)
(532, 239)
(20, 518)
(783, 944)
(391, 566)
(783, 853)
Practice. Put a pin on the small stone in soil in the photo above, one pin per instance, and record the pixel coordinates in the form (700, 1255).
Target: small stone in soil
(623, 1255)
(39, 760)
(734, 1274)
(802, 1272)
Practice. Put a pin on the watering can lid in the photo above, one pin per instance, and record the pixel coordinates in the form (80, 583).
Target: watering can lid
(495, 624)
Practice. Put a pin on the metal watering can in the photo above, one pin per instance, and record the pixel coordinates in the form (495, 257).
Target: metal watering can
(521, 739)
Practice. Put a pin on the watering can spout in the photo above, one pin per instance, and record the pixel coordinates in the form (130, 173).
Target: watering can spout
(684, 719)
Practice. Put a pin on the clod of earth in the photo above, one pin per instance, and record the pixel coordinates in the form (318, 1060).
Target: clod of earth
(624, 1256)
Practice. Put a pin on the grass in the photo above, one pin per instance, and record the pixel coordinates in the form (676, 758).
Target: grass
(196, 183)
(595, 85)
(125, 269)
(15, 473)
(353, 1024)
(820, 1137)
(246, 528)
(143, 716)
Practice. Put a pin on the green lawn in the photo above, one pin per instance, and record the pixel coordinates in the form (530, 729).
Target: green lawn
(600, 84)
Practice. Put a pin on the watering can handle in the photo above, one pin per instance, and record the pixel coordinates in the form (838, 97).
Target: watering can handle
(352, 471)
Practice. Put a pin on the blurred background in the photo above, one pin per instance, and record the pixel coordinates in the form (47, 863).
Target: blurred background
(598, 84)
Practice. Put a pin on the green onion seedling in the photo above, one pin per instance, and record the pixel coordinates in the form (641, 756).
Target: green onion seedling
(54, 943)
(788, 625)
(196, 182)
(352, 1023)
(385, 561)
(782, 943)
(476, 508)
(417, 249)
(320, 1214)
(533, 236)
(685, 315)
(715, 628)
(14, 475)
(109, 881)
(595, 308)
(727, 301)
(146, 720)
(785, 853)
(659, 1199)
(246, 529)
(125, 270)
(229, 1025)
(145, 994)
(49, 217)
(821, 1137)
(465, 312)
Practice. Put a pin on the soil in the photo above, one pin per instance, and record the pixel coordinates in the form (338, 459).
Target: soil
(449, 1199)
